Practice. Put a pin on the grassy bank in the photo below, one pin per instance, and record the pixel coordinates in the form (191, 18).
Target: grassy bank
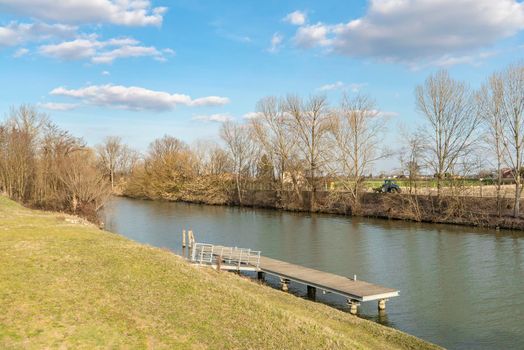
(64, 283)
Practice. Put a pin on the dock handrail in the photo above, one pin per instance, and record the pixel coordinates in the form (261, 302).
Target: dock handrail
(204, 253)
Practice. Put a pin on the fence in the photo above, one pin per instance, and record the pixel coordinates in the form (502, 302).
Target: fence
(208, 254)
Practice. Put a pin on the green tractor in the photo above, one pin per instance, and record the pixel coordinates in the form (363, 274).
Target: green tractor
(389, 186)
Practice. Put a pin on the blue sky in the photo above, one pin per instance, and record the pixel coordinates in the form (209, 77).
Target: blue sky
(142, 69)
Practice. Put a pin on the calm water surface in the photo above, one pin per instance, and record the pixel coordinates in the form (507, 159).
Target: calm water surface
(462, 288)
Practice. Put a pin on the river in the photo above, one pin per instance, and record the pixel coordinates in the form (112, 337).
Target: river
(460, 287)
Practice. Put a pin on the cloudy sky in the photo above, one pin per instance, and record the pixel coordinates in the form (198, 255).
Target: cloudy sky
(141, 69)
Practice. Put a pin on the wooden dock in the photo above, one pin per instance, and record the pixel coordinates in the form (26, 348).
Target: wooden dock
(240, 259)
(354, 290)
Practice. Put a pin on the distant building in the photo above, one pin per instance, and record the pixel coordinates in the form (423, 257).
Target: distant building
(506, 173)
(287, 178)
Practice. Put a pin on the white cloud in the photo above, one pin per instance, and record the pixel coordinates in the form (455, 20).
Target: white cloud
(135, 98)
(313, 35)
(16, 33)
(386, 114)
(170, 52)
(297, 18)
(21, 52)
(252, 115)
(101, 52)
(106, 73)
(276, 42)
(334, 86)
(413, 30)
(122, 12)
(235, 37)
(217, 118)
(353, 87)
(71, 50)
(58, 106)
(449, 60)
(127, 51)
(356, 87)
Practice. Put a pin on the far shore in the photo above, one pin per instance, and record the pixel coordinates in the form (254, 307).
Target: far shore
(386, 206)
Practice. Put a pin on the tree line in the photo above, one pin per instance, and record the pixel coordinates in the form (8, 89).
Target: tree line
(293, 144)
(296, 143)
(46, 167)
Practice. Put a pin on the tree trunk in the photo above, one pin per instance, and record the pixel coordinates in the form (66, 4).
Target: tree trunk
(239, 192)
(499, 185)
(516, 208)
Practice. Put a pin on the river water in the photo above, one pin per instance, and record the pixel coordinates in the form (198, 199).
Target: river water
(460, 287)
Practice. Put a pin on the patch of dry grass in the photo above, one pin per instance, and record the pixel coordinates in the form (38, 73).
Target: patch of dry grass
(74, 286)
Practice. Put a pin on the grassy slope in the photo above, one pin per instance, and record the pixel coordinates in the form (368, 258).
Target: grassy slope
(63, 283)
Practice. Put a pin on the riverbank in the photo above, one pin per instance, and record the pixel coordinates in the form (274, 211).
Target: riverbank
(66, 283)
(457, 210)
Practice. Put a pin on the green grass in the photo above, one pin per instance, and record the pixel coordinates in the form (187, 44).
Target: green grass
(70, 285)
(430, 183)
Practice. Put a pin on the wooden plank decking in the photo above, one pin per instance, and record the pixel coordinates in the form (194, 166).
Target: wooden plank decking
(356, 290)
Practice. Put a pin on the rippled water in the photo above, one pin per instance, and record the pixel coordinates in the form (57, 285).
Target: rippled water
(460, 287)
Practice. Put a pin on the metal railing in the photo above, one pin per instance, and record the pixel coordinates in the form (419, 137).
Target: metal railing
(202, 253)
(208, 254)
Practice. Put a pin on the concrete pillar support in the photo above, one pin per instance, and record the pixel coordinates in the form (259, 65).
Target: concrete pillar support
(353, 306)
(285, 284)
(382, 304)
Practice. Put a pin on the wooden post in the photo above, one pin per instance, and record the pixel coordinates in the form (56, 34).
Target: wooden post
(183, 238)
(190, 238)
(219, 263)
(311, 292)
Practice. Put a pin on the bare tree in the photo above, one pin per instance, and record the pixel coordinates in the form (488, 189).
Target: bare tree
(209, 158)
(55, 148)
(168, 166)
(115, 157)
(272, 131)
(219, 162)
(490, 100)
(447, 105)
(201, 151)
(16, 163)
(240, 146)
(512, 109)
(410, 156)
(86, 190)
(29, 119)
(310, 121)
(44, 166)
(20, 138)
(356, 128)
